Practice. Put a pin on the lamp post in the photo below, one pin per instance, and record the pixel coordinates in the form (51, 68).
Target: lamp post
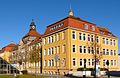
(56, 60)
(84, 74)
(107, 63)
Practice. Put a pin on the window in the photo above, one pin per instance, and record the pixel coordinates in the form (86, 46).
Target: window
(89, 62)
(84, 38)
(63, 48)
(111, 52)
(106, 41)
(92, 50)
(44, 52)
(44, 40)
(80, 62)
(80, 49)
(55, 37)
(58, 37)
(114, 52)
(111, 62)
(86, 26)
(103, 51)
(97, 50)
(97, 39)
(84, 49)
(107, 52)
(49, 51)
(55, 50)
(63, 35)
(102, 32)
(64, 62)
(48, 39)
(74, 61)
(58, 49)
(80, 36)
(110, 41)
(45, 63)
(88, 37)
(73, 48)
(92, 62)
(89, 50)
(52, 62)
(103, 62)
(114, 62)
(52, 39)
(73, 35)
(49, 62)
(103, 40)
(114, 43)
(92, 38)
(93, 28)
(52, 50)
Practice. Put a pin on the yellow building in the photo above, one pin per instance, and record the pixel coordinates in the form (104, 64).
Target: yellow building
(7, 52)
(66, 43)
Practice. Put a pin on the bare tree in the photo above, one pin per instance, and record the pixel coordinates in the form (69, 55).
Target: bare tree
(96, 50)
(34, 56)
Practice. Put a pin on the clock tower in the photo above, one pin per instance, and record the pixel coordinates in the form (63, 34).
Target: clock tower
(32, 26)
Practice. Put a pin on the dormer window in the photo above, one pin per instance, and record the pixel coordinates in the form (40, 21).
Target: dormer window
(102, 32)
(93, 28)
(86, 26)
(57, 26)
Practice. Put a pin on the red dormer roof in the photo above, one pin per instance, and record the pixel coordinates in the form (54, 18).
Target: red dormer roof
(75, 22)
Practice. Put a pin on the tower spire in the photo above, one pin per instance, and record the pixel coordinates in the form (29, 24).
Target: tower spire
(70, 12)
(32, 25)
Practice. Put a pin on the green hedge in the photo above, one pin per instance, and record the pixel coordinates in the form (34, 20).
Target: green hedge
(24, 72)
(91, 69)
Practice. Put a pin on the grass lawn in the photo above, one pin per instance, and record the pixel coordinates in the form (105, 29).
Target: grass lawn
(21, 76)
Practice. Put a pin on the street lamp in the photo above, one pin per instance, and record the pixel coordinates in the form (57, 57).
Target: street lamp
(56, 60)
(107, 63)
(84, 74)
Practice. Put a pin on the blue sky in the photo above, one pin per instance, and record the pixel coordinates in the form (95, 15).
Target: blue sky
(16, 15)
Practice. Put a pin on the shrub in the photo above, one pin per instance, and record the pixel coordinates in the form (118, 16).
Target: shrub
(24, 72)
(87, 69)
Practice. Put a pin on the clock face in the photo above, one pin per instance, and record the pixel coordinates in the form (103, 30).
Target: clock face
(33, 27)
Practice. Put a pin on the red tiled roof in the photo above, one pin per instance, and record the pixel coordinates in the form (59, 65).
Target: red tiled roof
(32, 33)
(75, 22)
(8, 47)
